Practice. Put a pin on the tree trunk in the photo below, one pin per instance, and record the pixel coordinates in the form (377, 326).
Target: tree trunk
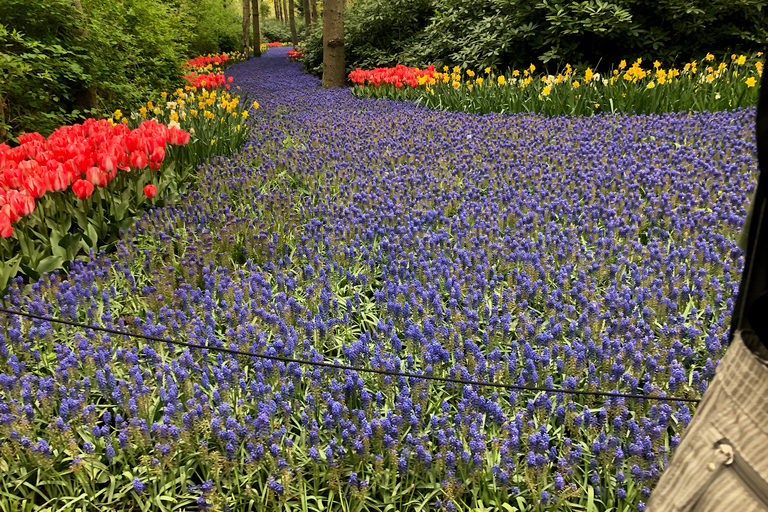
(244, 42)
(294, 37)
(256, 29)
(333, 44)
(307, 20)
(277, 10)
(285, 12)
(85, 95)
(314, 11)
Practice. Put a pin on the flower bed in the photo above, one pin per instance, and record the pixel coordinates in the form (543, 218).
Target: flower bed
(697, 86)
(592, 254)
(78, 189)
(295, 55)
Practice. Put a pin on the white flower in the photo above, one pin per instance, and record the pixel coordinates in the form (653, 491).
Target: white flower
(174, 124)
(171, 105)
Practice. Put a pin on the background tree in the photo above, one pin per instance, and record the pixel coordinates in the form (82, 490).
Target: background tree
(334, 74)
(256, 31)
(307, 19)
(292, 21)
(244, 42)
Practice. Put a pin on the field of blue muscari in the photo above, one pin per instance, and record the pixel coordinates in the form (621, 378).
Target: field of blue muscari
(586, 253)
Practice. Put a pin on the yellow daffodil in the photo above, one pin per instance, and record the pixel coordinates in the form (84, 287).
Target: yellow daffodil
(651, 85)
(741, 60)
(575, 84)
(656, 64)
(118, 114)
(622, 64)
(751, 81)
(487, 71)
(532, 68)
(546, 91)
(470, 72)
(502, 80)
(515, 73)
(709, 57)
(588, 75)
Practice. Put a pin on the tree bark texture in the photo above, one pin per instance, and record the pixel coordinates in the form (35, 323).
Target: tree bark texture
(244, 42)
(256, 29)
(285, 12)
(314, 11)
(333, 44)
(85, 95)
(277, 9)
(292, 19)
(307, 19)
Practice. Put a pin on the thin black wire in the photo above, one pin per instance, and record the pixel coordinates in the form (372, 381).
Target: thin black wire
(336, 366)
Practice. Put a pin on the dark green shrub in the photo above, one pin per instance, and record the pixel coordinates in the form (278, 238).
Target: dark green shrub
(276, 31)
(514, 33)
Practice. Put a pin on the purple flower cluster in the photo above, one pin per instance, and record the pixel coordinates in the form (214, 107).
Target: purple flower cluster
(588, 254)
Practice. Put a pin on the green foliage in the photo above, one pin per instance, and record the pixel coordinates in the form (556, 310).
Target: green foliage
(264, 10)
(215, 28)
(276, 31)
(34, 79)
(509, 33)
(513, 33)
(123, 52)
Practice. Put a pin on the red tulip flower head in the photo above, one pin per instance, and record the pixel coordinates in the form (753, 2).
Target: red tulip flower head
(82, 189)
(150, 191)
(139, 159)
(6, 229)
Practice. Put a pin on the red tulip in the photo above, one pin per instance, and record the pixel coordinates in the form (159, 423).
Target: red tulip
(177, 137)
(150, 191)
(138, 159)
(9, 212)
(82, 189)
(35, 186)
(107, 162)
(6, 229)
(96, 177)
(158, 154)
(21, 202)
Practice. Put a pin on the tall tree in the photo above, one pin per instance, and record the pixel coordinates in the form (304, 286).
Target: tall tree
(244, 42)
(292, 20)
(277, 9)
(85, 95)
(333, 43)
(314, 11)
(285, 11)
(256, 28)
(307, 19)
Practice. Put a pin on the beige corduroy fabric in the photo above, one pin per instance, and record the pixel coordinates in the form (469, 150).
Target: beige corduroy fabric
(721, 464)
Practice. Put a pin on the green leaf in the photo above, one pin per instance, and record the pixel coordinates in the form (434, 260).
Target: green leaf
(49, 264)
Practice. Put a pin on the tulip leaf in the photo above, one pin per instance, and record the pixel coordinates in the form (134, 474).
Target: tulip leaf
(49, 264)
